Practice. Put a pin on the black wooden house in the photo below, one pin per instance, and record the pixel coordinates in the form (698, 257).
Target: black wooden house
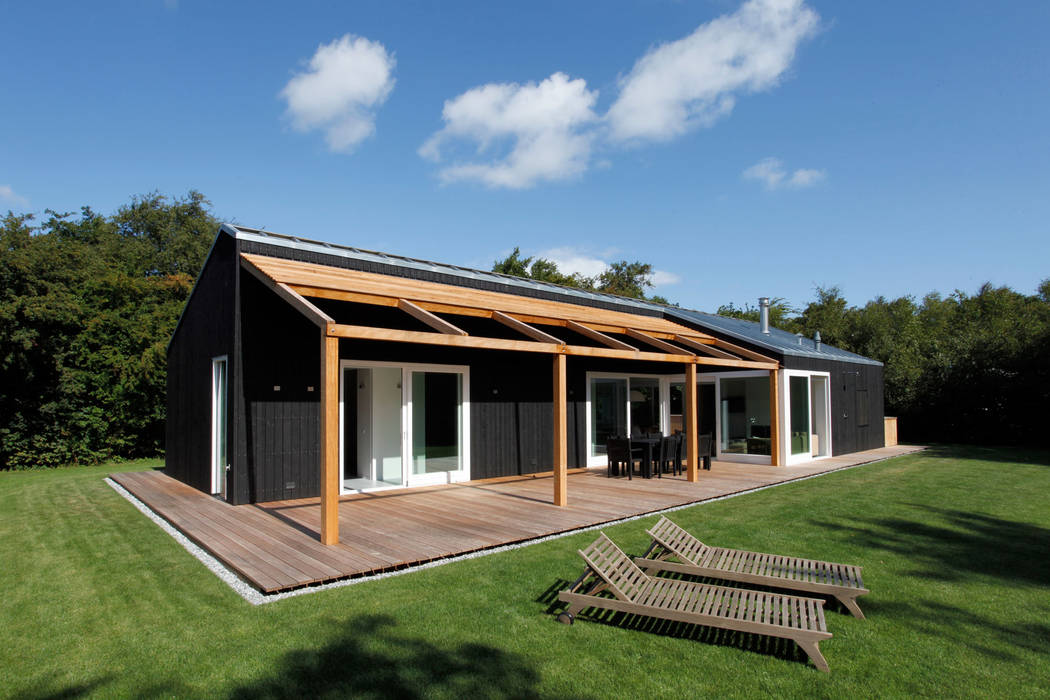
(304, 369)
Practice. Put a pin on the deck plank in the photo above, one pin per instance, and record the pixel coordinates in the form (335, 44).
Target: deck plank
(276, 546)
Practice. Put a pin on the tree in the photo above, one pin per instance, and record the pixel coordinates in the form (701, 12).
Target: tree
(781, 313)
(627, 279)
(87, 304)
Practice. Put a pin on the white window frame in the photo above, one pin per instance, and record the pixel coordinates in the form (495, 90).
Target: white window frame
(594, 460)
(409, 480)
(219, 472)
(785, 415)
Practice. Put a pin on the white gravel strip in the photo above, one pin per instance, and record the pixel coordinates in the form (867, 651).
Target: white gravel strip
(254, 597)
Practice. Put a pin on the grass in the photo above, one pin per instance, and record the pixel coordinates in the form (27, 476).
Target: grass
(98, 601)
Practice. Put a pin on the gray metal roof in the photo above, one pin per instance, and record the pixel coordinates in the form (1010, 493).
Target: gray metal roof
(777, 340)
(782, 342)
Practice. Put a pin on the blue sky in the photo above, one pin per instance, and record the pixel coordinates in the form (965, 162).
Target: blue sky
(744, 149)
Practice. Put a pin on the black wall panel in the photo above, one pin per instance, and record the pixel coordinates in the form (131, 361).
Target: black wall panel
(205, 331)
(856, 393)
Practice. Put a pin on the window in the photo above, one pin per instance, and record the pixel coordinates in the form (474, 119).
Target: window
(745, 416)
(862, 407)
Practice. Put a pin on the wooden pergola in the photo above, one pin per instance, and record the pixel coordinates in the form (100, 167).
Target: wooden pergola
(663, 341)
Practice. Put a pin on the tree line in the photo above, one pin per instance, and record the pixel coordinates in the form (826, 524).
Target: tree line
(88, 303)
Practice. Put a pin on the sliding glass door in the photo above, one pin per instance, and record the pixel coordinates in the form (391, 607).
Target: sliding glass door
(623, 406)
(808, 415)
(437, 425)
(402, 425)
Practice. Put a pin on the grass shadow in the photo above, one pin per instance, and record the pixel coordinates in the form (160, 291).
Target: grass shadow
(965, 628)
(78, 690)
(370, 659)
(1008, 455)
(960, 545)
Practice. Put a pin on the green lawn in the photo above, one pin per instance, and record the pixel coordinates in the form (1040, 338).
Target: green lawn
(955, 545)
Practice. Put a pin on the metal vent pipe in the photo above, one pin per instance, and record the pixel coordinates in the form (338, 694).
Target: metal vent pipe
(763, 314)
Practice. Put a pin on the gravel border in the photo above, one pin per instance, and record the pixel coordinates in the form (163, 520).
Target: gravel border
(254, 597)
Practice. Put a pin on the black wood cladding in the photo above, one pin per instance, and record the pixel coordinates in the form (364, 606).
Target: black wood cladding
(205, 331)
(851, 383)
(274, 384)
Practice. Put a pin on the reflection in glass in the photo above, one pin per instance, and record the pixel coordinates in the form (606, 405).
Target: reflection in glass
(608, 411)
(799, 398)
(745, 416)
(437, 429)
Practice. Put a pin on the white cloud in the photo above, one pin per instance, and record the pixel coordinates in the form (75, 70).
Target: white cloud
(346, 82)
(694, 81)
(570, 260)
(771, 172)
(663, 278)
(537, 129)
(11, 197)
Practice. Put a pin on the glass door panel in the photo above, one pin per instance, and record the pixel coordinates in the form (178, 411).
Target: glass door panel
(608, 411)
(745, 416)
(799, 389)
(818, 392)
(371, 429)
(437, 422)
(386, 425)
(645, 406)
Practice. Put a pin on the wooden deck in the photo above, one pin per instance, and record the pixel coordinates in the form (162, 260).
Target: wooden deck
(276, 546)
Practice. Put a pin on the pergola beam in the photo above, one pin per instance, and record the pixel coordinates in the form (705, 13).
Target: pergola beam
(478, 312)
(744, 352)
(656, 342)
(399, 336)
(436, 322)
(294, 299)
(705, 348)
(598, 336)
(525, 329)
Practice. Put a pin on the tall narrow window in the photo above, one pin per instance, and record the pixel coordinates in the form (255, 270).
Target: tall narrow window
(218, 426)
(799, 388)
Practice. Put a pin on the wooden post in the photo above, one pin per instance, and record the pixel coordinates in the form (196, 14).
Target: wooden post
(774, 417)
(561, 433)
(692, 425)
(329, 439)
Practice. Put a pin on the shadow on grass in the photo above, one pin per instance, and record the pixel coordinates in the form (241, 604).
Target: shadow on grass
(74, 691)
(370, 659)
(1012, 455)
(770, 646)
(966, 543)
(966, 628)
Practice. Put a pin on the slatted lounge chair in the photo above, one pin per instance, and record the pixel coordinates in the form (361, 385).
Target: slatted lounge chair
(635, 592)
(696, 558)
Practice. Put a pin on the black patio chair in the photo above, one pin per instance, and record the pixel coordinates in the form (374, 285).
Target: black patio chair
(668, 451)
(706, 445)
(618, 452)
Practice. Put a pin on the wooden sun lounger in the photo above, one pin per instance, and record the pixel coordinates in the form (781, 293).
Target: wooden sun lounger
(696, 558)
(635, 592)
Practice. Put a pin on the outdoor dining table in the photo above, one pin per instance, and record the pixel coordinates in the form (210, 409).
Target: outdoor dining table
(646, 444)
